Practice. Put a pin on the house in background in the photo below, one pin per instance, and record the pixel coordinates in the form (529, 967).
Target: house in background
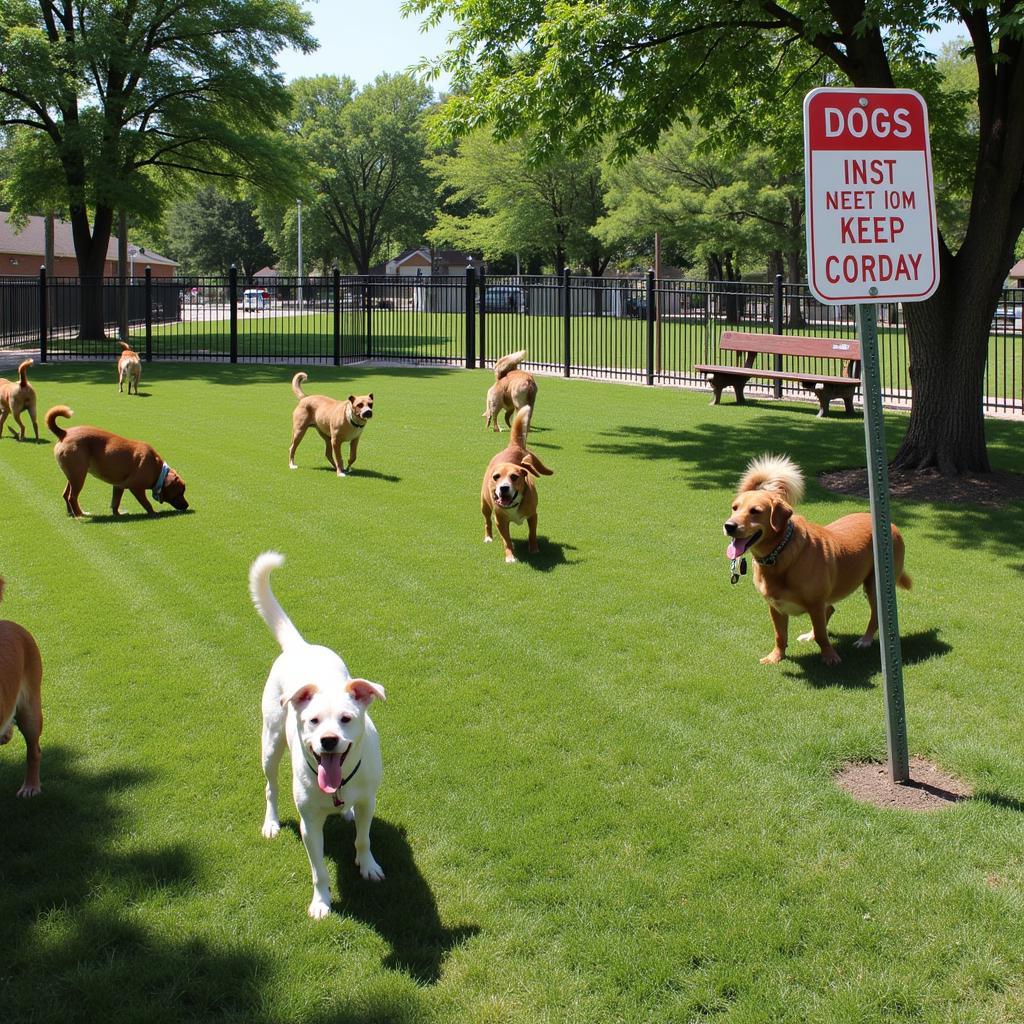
(22, 252)
(1016, 275)
(420, 262)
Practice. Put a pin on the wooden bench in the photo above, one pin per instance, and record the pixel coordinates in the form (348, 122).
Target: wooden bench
(825, 386)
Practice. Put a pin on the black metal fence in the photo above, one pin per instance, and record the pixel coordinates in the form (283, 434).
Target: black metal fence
(623, 328)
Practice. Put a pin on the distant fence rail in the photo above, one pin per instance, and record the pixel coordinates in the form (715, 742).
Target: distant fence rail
(642, 329)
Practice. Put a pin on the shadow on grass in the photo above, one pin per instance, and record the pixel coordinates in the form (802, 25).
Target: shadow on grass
(1000, 800)
(370, 474)
(74, 948)
(712, 456)
(402, 908)
(552, 554)
(859, 667)
(136, 515)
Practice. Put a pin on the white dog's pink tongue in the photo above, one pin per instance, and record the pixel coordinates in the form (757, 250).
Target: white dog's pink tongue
(328, 773)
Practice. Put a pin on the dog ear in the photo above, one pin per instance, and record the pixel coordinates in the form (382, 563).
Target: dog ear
(780, 515)
(352, 399)
(370, 396)
(301, 696)
(364, 691)
(529, 466)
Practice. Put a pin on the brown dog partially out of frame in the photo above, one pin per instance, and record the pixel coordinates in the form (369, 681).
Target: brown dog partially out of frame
(803, 568)
(508, 491)
(21, 679)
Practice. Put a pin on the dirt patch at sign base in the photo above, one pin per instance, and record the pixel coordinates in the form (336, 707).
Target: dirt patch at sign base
(989, 490)
(929, 788)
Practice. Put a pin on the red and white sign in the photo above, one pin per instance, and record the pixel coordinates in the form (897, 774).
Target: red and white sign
(871, 233)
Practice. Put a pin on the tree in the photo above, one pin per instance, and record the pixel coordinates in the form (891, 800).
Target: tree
(208, 232)
(109, 104)
(630, 68)
(506, 203)
(366, 151)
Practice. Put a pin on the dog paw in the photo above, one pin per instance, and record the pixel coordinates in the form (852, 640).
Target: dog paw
(370, 869)
(772, 659)
(291, 465)
(318, 910)
(864, 641)
(804, 637)
(510, 558)
(830, 656)
(270, 829)
(30, 790)
(488, 540)
(340, 473)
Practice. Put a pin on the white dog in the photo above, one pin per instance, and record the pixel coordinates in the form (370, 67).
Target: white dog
(311, 700)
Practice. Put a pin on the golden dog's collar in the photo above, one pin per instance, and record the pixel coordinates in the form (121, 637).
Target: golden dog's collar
(770, 559)
(352, 422)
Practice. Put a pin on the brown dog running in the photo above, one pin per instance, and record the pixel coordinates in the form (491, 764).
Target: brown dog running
(336, 422)
(21, 679)
(16, 396)
(802, 568)
(508, 490)
(129, 367)
(126, 465)
(511, 391)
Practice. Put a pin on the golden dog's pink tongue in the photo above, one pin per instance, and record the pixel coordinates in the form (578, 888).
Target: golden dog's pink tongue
(328, 773)
(736, 548)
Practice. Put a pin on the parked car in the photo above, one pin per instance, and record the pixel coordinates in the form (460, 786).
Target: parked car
(1007, 318)
(255, 299)
(636, 305)
(504, 298)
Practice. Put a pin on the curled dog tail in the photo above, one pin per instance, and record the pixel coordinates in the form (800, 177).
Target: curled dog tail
(774, 473)
(297, 384)
(22, 375)
(506, 364)
(267, 605)
(125, 345)
(51, 420)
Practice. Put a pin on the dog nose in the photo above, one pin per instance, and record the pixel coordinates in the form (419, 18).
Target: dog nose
(368, 414)
(328, 742)
(730, 527)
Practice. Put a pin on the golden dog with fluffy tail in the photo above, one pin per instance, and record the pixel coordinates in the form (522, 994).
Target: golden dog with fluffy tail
(800, 567)
(512, 389)
(17, 396)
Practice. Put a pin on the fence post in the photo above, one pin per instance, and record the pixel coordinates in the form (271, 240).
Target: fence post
(566, 323)
(482, 339)
(470, 318)
(149, 314)
(650, 328)
(336, 296)
(777, 329)
(43, 309)
(367, 320)
(233, 300)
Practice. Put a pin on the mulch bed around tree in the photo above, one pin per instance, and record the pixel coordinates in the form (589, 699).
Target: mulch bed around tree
(929, 788)
(989, 490)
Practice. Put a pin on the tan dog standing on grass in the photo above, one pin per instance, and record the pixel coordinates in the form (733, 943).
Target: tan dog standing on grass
(21, 680)
(336, 422)
(802, 568)
(511, 391)
(508, 491)
(17, 396)
(126, 465)
(129, 367)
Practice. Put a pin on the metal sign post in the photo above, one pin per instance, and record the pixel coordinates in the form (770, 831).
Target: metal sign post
(871, 235)
(881, 534)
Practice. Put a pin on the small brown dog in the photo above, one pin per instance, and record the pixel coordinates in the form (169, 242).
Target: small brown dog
(16, 396)
(126, 465)
(336, 422)
(129, 367)
(802, 568)
(21, 679)
(508, 490)
(511, 391)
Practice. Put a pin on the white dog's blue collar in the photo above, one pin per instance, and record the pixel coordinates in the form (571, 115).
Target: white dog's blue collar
(158, 487)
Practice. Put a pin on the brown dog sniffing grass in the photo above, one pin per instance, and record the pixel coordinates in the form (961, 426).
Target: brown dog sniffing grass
(508, 491)
(802, 568)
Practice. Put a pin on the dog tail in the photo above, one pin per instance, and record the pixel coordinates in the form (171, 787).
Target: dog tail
(297, 384)
(267, 605)
(125, 345)
(774, 473)
(51, 420)
(521, 426)
(506, 364)
(22, 375)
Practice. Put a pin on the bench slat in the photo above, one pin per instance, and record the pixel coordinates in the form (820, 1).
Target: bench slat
(743, 371)
(790, 345)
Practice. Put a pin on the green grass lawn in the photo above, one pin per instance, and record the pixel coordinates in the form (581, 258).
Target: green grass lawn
(597, 806)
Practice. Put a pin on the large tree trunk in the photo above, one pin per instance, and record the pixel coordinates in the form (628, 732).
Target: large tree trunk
(948, 340)
(91, 252)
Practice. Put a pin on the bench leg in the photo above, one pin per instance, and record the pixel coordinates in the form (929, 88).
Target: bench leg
(848, 401)
(717, 388)
(738, 388)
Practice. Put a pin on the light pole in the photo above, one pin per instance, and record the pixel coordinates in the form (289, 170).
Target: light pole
(299, 292)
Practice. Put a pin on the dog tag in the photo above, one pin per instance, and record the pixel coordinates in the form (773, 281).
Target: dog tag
(735, 577)
(743, 567)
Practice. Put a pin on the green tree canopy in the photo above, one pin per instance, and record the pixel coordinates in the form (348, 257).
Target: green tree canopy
(107, 104)
(573, 72)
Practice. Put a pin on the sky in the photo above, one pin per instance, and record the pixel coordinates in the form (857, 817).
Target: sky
(362, 38)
